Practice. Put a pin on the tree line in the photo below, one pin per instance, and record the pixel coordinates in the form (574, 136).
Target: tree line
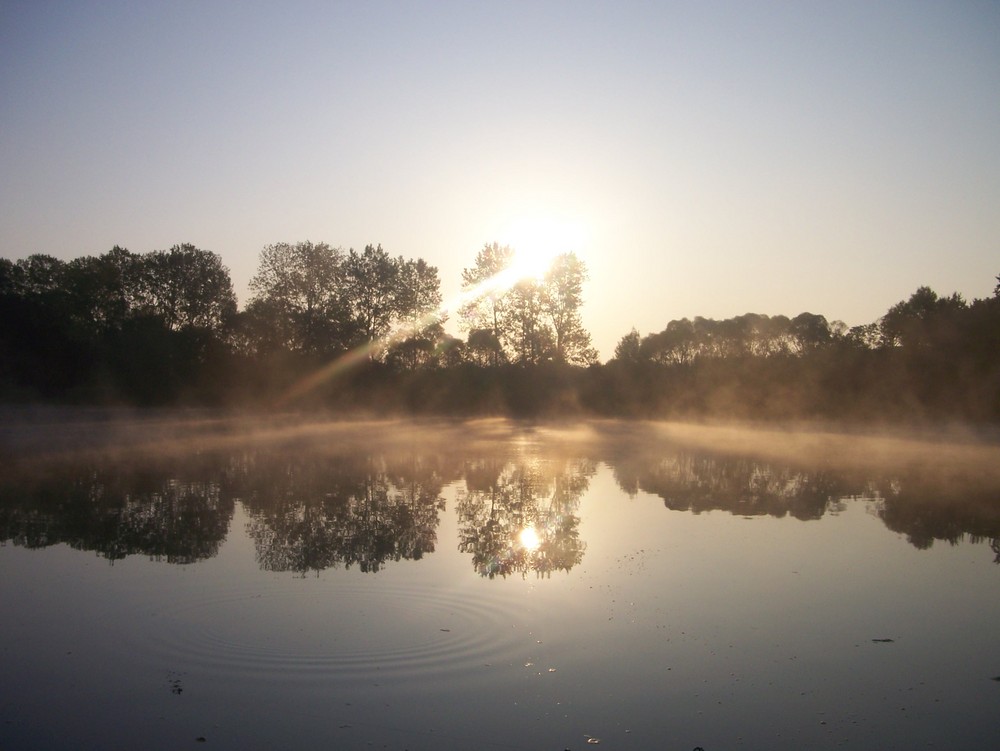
(927, 358)
(164, 328)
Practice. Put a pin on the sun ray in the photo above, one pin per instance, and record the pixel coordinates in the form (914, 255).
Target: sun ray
(537, 242)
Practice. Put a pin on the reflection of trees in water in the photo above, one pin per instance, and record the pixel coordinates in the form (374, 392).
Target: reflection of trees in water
(170, 512)
(699, 482)
(311, 509)
(313, 512)
(923, 506)
(928, 507)
(503, 498)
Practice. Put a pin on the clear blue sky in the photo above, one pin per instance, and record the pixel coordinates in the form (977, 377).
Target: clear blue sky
(712, 158)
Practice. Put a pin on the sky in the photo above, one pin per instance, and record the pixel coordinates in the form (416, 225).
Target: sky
(702, 158)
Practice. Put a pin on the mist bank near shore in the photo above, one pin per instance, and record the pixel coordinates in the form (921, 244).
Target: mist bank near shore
(168, 483)
(59, 433)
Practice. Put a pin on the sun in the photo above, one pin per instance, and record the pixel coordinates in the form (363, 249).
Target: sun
(537, 241)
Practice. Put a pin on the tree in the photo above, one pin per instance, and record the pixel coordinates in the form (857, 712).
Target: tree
(298, 290)
(627, 349)
(40, 275)
(678, 343)
(527, 334)
(419, 297)
(489, 304)
(561, 298)
(810, 332)
(371, 281)
(915, 321)
(421, 320)
(108, 289)
(188, 288)
(865, 336)
(484, 348)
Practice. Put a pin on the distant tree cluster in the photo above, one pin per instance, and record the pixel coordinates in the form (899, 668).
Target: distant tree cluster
(927, 357)
(116, 326)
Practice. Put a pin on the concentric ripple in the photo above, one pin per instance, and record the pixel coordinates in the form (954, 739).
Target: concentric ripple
(354, 630)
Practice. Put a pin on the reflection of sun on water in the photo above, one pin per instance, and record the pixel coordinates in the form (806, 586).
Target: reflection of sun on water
(529, 539)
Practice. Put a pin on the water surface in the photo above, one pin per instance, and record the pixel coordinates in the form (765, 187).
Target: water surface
(444, 586)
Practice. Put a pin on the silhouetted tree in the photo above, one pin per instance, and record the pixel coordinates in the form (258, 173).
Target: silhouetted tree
(488, 308)
(810, 332)
(187, 288)
(561, 298)
(373, 291)
(527, 335)
(419, 299)
(918, 320)
(298, 298)
(484, 348)
(627, 349)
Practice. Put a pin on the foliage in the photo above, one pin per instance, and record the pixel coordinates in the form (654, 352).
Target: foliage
(532, 320)
(297, 302)
(163, 328)
(928, 357)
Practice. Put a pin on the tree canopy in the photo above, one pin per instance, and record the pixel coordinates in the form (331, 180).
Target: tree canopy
(163, 327)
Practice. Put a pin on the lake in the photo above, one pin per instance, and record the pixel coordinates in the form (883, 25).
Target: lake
(173, 581)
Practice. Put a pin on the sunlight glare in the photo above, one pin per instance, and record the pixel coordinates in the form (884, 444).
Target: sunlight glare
(529, 539)
(537, 241)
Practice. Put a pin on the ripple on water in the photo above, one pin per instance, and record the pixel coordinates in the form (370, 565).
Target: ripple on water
(348, 630)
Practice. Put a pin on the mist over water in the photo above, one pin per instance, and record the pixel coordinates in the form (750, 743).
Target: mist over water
(494, 583)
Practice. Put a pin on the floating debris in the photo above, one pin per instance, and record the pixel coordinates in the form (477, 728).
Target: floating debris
(883, 641)
(176, 687)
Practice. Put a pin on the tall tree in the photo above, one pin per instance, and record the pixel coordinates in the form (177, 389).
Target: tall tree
(810, 332)
(914, 322)
(627, 349)
(421, 321)
(489, 303)
(561, 298)
(372, 285)
(188, 288)
(297, 297)
(419, 297)
(528, 333)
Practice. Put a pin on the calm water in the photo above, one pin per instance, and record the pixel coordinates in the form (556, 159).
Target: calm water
(168, 584)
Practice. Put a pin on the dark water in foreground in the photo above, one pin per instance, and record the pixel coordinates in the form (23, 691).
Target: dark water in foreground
(225, 585)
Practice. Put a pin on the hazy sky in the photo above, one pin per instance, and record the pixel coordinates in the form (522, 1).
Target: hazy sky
(706, 158)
